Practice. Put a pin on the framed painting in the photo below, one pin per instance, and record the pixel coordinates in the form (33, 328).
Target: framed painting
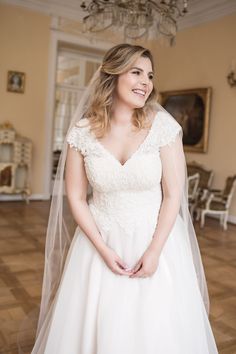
(15, 81)
(191, 109)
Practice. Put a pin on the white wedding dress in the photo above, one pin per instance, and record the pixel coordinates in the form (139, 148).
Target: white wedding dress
(99, 312)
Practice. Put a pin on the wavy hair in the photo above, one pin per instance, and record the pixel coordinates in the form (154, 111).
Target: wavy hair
(118, 60)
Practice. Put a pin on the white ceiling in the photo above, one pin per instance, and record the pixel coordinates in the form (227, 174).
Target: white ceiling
(200, 11)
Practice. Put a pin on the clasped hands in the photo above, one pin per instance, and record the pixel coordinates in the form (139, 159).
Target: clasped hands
(145, 267)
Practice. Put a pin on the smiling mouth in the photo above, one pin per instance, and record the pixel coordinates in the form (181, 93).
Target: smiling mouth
(140, 93)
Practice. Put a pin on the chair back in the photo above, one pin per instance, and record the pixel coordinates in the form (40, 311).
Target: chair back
(206, 176)
(193, 182)
(229, 190)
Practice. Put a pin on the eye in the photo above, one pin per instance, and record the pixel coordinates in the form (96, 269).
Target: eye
(136, 72)
(150, 77)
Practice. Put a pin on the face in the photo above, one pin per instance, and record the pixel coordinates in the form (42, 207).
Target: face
(135, 85)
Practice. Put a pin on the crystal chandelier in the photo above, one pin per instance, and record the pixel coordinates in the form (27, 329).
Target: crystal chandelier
(135, 18)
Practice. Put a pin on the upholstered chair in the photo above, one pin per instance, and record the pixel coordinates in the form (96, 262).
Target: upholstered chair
(205, 182)
(193, 182)
(217, 202)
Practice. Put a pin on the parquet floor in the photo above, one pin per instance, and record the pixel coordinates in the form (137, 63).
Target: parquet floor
(21, 267)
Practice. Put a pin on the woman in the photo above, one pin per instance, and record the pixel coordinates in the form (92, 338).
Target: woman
(133, 281)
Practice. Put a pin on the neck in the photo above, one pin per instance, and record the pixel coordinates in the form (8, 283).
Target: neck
(122, 114)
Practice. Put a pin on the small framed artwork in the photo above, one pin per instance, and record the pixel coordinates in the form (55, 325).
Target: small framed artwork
(15, 81)
(191, 109)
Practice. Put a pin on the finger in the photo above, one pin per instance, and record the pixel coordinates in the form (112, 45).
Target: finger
(139, 274)
(122, 264)
(137, 267)
(124, 267)
(122, 272)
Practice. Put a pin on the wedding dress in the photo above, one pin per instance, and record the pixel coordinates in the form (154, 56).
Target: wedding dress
(98, 312)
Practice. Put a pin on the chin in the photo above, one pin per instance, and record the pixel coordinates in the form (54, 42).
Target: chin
(141, 105)
(136, 104)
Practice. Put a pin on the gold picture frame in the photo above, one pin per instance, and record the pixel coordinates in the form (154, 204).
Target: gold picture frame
(15, 81)
(191, 109)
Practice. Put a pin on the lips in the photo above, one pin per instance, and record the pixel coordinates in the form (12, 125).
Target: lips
(139, 92)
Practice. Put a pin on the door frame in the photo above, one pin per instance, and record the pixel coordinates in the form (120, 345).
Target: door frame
(57, 37)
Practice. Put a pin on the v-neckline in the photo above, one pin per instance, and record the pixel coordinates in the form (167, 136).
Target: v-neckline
(105, 150)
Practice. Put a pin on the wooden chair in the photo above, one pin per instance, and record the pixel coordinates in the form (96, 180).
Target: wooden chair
(193, 182)
(205, 182)
(217, 202)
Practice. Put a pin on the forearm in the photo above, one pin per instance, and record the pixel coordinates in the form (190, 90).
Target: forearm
(173, 182)
(166, 219)
(85, 221)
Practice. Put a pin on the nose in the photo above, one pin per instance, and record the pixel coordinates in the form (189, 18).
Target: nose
(144, 80)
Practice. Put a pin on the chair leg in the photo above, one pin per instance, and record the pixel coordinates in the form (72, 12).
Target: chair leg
(225, 221)
(202, 224)
(222, 219)
(198, 214)
(192, 210)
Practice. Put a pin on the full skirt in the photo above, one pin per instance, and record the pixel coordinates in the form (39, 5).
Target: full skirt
(99, 312)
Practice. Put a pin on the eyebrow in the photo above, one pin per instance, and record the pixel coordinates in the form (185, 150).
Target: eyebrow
(135, 67)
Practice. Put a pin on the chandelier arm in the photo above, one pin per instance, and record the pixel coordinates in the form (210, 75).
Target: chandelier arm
(155, 5)
(167, 8)
(137, 36)
(96, 4)
(100, 30)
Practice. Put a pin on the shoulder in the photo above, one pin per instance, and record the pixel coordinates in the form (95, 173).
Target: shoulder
(80, 128)
(166, 121)
(83, 123)
(77, 136)
(167, 128)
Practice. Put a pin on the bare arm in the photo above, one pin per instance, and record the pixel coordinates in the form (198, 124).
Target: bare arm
(173, 177)
(76, 188)
(173, 166)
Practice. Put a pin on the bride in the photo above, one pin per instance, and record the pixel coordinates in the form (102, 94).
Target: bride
(130, 280)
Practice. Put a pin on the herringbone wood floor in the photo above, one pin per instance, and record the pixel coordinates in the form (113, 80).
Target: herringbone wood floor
(22, 258)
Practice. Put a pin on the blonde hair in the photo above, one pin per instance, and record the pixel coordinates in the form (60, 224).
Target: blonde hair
(116, 61)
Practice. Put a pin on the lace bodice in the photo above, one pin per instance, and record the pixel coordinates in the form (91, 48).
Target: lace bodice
(125, 192)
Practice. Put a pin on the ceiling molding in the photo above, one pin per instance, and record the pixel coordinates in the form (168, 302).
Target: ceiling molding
(49, 8)
(200, 12)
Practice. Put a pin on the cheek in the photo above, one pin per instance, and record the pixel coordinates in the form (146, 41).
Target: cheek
(150, 88)
(124, 86)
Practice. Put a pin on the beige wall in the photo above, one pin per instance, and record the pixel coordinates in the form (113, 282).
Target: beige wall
(202, 57)
(24, 44)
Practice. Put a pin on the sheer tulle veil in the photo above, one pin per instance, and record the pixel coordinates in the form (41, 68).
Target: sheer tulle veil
(61, 227)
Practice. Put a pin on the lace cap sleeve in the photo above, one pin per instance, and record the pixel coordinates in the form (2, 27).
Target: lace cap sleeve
(168, 129)
(77, 137)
